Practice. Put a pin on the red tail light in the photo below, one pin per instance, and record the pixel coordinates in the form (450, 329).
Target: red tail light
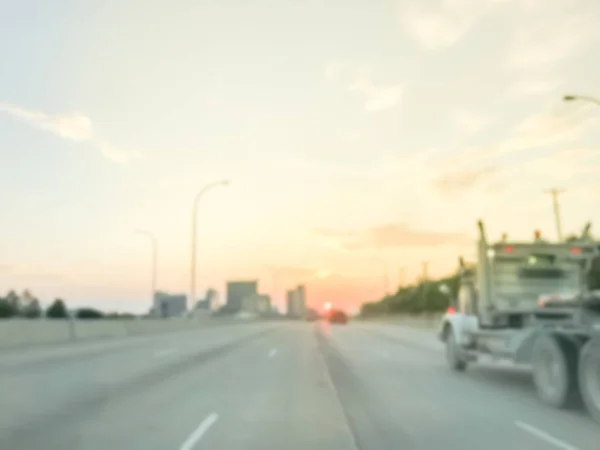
(575, 251)
(450, 310)
(508, 249)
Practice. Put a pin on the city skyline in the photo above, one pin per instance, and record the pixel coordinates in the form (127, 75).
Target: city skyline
(360, 140)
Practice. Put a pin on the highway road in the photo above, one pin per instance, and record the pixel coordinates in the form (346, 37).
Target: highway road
(273, 385)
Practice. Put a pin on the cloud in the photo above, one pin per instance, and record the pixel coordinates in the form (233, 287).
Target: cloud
(42, 276)
(551, 41)
(300, 274)
(352, 136)
(391, 236)
(118, 155)
(343, 291)
(379, 98)
(527, 87)
(22, 271)
(469, 123)
(459, 181)
(74, 127)
(563, 165)
(550, 128)
(333, 71)
(560, 126)
(446, 23)
(292, 271)
(376, 97)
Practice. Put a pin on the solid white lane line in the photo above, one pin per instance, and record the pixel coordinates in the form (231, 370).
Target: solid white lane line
(165, 352)
(544, 436)
(195, 437)
(273, 352)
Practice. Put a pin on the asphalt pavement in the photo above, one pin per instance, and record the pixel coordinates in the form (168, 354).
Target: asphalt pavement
(279, 385)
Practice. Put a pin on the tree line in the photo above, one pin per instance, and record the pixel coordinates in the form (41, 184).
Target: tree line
(427, 296)
(27, 306)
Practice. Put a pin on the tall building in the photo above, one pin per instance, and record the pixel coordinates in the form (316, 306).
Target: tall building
(237, 291)
(257, 303)
(296, 302)
(168, 305)
(207, 302)
(290, 300)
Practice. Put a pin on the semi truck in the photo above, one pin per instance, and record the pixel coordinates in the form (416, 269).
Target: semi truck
(533, 303)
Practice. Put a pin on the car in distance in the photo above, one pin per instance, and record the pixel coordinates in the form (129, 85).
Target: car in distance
(338, 316)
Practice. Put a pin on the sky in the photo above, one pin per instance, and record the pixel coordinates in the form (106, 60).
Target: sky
(360, 138)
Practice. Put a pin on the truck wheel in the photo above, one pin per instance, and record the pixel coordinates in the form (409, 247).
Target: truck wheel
(589, 377)
(453, 353)
(555, 370)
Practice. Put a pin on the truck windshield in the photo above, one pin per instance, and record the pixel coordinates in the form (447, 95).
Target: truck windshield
(517, 284)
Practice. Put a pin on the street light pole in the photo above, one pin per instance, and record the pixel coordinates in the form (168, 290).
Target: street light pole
(194, 226)
(154, 243)
(555, 193)
(585, 98)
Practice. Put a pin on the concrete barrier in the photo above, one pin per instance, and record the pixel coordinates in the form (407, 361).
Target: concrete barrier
(22, 332)
(427, 321)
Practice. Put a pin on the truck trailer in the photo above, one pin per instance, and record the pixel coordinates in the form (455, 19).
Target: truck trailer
(533, 303)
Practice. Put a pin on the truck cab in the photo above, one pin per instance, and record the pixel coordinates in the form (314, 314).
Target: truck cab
(511, 281)
(527, 302)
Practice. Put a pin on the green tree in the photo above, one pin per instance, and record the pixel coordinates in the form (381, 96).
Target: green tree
(9, 305)
(89, 313)
(6, 309)
(14, 301)
(57, 310)
(30, 306)
(32, 310)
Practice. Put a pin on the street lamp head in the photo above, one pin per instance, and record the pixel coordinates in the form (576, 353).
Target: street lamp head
(569, 98)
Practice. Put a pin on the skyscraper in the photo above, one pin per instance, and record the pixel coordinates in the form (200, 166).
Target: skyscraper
(296, 302)
(237, 291)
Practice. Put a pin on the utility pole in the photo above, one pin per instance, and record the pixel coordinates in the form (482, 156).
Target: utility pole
(555, 193)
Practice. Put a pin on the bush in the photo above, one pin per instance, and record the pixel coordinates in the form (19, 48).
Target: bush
(89, 313)
(7, 310)
(57, 310)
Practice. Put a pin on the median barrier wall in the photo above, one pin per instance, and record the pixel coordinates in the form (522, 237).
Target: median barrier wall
(23, 332)
(426, 321)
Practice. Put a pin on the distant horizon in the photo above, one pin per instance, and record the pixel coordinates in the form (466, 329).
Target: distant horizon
(358, 141)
